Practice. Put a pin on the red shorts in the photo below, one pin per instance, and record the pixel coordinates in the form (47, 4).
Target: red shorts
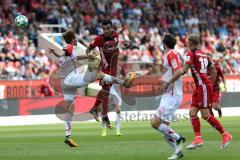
(216, 96)
(202, 96)
(109, 71)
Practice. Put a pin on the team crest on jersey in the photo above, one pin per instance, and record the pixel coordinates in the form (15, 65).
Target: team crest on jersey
(110, 46)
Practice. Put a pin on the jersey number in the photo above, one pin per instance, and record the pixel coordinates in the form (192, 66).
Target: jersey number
(204, 64)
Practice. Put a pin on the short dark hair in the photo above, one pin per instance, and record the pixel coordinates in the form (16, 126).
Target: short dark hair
(68, 36)
(169, 40)
(194, 39)
(106, 22)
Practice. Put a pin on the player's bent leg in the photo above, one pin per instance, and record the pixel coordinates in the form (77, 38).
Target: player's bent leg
(155, 122)
(197, 142)
(68, 123)
(226, 137)
(75, 80)
(105, 96)
(127, 82)
(172, 138)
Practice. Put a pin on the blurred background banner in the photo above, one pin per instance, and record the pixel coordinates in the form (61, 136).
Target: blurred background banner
(33, 97)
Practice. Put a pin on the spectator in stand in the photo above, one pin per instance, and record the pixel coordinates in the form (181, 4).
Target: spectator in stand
(142, 24)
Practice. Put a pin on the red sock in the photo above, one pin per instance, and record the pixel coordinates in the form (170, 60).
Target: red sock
(196, 126)
(105, 106)
(98, 100)
(216, 124)
(105, 99)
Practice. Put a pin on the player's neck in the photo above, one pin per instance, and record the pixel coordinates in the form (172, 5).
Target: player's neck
(167, 50)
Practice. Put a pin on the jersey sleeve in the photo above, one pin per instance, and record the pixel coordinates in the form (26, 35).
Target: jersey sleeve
(174, 61)
(96, 42)
(68, 49)
(188, 58)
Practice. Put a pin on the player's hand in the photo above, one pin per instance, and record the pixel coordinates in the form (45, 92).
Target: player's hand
(225, 88)
(164, 87)
(51, 50)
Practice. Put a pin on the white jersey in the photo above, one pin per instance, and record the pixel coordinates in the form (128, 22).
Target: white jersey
(68, 63)
(171, 63)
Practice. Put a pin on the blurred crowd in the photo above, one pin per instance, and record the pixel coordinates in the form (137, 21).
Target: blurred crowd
(140, 23)
(20, 59)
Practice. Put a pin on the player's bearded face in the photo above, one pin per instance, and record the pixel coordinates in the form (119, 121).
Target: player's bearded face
(107, 30)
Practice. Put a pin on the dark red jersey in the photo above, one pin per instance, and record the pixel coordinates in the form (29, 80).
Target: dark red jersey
(109, 51)
(199, 64)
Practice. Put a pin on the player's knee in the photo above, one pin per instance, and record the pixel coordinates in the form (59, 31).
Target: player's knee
(216, 106)
(69, 106)
(100, 75)
(154, 123)
(192, 114)
(205, 116)
(118, 110)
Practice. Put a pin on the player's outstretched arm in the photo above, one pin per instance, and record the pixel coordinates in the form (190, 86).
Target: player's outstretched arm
(89, 56)
(179, 72)
(52, 51)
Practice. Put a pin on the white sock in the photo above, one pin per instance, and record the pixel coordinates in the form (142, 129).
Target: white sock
(68, 124)
(171, 142)
(165, 129)
(110, 79)
(118, 122)
(107, 78)
(68, 128)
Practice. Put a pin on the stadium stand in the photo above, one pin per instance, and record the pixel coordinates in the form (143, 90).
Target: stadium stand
(141, 25)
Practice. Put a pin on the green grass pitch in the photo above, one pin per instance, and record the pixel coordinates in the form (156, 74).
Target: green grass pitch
(139, 142)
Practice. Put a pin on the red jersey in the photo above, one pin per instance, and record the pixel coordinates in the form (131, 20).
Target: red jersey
(199, 64)
(109, 51)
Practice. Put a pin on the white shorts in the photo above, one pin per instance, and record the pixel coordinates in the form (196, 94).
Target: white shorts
(69, 93)
(168, 105)
(115, 95)
(75, 80)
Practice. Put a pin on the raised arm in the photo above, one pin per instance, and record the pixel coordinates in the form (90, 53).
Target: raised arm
(52, 51)
(96, 42)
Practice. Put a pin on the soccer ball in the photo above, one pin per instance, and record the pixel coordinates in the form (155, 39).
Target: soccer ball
(21, 21)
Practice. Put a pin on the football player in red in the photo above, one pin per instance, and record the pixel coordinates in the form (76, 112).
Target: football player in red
(109, 50)
(199, 63)
(216, 96)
